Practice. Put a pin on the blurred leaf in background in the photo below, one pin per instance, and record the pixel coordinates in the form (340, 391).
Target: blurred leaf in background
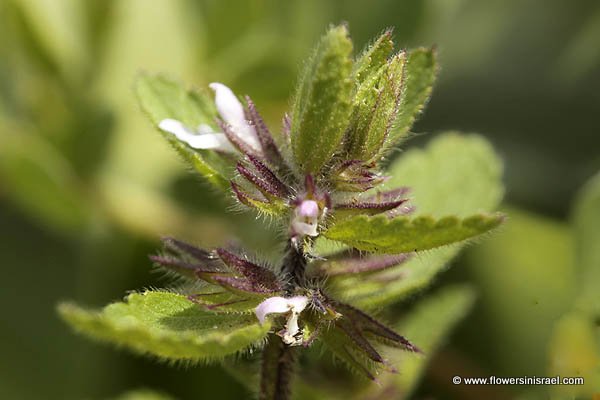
(540, 296)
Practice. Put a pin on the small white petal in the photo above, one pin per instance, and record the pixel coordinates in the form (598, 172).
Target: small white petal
(291, 330)
(216, 141)
(232, 112)
(248, 134)
(175, 127)
(271, 305)
(298, 303)
(228, 105)
(203, 128)
(280, 305)
(302, 228)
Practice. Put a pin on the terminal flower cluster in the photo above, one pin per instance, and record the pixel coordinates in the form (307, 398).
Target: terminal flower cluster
(347, 235)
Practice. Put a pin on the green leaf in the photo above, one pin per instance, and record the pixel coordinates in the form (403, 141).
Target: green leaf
(380, 234)
(586, 218)
(428, 326)
(458, 174)
(373, 57)
(162, 98)
(322, 102)
(374, 108)
(227, 302)
(168, 326)
(421, 71)
(455, 174)
(395, 284)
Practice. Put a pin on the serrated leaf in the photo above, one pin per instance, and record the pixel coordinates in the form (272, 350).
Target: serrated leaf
(428, 325)
(586, 217)
(380, 234)
(373, 57)
(421, 71)
(374, 110)
(458, 174)
(168, 326)
(322, 101)
(163, 98)
(455, 174)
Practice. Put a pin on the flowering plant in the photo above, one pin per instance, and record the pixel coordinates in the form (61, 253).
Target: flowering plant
(351, 241)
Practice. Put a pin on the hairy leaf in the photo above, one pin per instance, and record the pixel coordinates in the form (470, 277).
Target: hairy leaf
(392, 284)
(421, 71)
(162, 98)
(373, 57)
(380, 234)
(374, 110)
(168, 326)
(344, 349)
(225, 301)
(355, 263)
(455, 174)
(322, 102)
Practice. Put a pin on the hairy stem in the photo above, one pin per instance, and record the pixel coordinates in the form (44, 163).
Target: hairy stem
(278, 358)
(277, 370)
(293, 268)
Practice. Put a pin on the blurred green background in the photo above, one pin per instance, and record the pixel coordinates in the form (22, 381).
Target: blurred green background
(87, 187)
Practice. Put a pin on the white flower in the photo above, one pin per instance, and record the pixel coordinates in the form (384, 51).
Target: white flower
(281, 305)
(203, 137)
(306, 218)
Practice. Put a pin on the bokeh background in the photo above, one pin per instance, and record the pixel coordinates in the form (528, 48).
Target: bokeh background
(87, 186)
